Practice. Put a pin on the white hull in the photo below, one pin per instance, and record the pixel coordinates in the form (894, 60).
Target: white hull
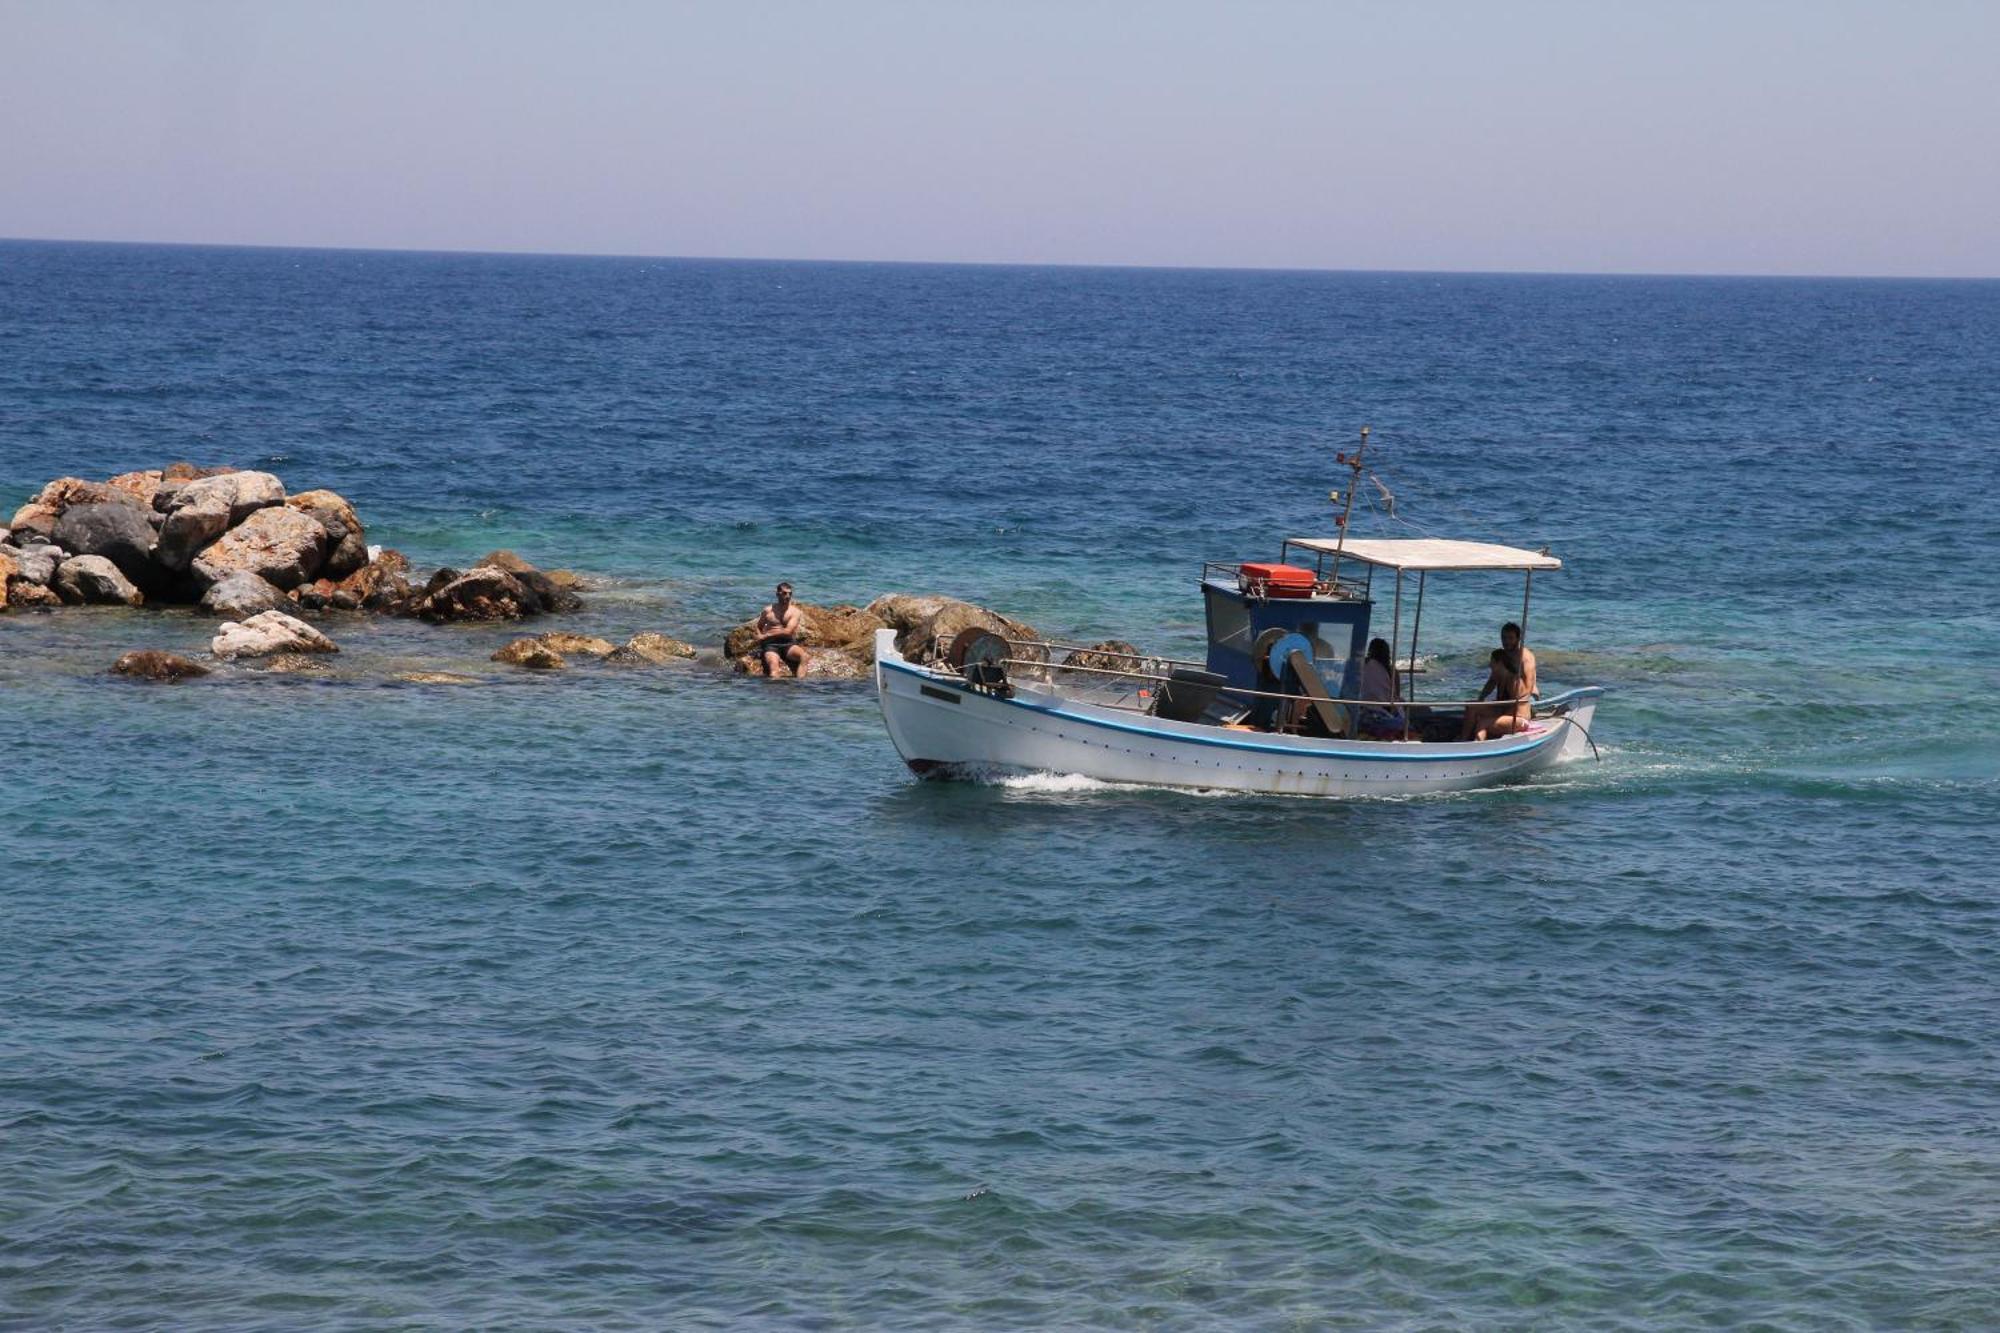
(937, 723)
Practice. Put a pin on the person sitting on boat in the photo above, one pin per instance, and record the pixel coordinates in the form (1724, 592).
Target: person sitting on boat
(1378, 685)
(1522, 657)
(1511, 707)
(778, 635)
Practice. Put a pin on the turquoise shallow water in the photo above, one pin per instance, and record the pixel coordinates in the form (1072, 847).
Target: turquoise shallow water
(665, 998)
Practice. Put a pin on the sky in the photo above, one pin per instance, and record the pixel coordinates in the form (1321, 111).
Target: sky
(1684, 136)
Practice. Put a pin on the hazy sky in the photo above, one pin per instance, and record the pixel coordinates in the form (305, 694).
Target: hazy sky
(1678, 136)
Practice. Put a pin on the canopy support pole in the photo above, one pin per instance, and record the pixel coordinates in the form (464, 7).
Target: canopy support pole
(1527, 587)
(1416, 627)
(1396, 626)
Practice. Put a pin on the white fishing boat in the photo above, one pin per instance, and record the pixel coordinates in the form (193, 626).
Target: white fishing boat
(1275, 707)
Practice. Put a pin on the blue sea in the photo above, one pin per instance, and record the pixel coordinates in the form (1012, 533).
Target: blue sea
(670, 999)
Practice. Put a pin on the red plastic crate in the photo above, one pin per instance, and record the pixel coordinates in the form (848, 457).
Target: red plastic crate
(1275, 580)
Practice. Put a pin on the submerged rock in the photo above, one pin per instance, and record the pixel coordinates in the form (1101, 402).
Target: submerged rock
(586, 645)
(652, 649)
(270, 632)
(531, 653)
(436, 678)
(92, 580)
(293, 664)
(152, 664)
(243, 594)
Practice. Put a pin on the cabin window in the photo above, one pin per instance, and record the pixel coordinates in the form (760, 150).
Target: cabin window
(1228, 622)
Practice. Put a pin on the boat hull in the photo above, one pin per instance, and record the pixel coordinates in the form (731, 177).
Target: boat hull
(942, 727)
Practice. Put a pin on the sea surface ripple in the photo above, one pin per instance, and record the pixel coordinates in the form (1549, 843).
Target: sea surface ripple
(668, 999)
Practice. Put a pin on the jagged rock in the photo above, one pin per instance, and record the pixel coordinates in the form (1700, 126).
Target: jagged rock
(138, 488)
(381, 585)
(117, 531)
(281, 546)
(926, 625)
(531, 653)
(24, 595)
(583, 644)
(849, 627)
(186, 528)
(347, 543)
(36, 564)
(1110, 655)
(94, 581)
(152, 664)
(242, 594)
(653, 649)
(270, 632)
(484, 593)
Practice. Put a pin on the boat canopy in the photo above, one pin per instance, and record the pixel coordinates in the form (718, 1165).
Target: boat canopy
(1424, 553)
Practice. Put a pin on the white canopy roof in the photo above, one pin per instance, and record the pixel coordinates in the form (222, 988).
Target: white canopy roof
(1429, 553)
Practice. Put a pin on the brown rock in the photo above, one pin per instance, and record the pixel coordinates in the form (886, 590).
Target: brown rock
(654, 649)
(23, 595)
(841, 626)
(151, 664)
(485, 593)
(531, 653)
(586, 645)
(33, 520)
(281, 546)
(567, 579)
(139, 487)
(930, 640)
(347, 548)
(184, 471)
(506, 560)
(381, 584)
(63, 492)
(10, 568)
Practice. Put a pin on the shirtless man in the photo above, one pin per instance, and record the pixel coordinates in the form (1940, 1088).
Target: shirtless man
(1520, 660)
(778, 634)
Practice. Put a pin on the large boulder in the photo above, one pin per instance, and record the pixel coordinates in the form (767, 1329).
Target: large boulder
(281, 546)
(652, 649)
(37, 563)
(117, 531)
(347, 543)
(92, 580)
(485, 593)
(151, 664)
(531, 653)
(243, 594)
(270, 632)
(33, 520)
(926, 625)
(187, 528)
(245, 493)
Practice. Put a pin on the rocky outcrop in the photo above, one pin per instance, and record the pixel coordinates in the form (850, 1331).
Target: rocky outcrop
(531, 653)
(151, 664)
(116, 530)
(347, 543)
(489, 592)
(281, 546)
(925, 625)
(270, 632)
(243, 594)
(652, 649)
(92, 580)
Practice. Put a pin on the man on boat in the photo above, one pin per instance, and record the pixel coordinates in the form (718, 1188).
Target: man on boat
(1522, 657)
(778, 634)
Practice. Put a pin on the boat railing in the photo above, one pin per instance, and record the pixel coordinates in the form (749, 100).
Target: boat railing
(1246, 693)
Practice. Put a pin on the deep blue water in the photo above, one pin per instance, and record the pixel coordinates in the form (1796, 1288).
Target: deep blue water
(670, 999)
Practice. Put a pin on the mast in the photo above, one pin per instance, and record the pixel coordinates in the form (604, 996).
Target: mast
(1347, 511)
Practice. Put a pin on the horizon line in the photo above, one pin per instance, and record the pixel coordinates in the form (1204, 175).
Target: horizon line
(1000, 263)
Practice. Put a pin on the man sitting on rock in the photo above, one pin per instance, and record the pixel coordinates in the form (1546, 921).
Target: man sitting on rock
(778, 635)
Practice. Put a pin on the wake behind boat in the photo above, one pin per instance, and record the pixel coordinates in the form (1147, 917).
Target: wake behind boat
(1277, 706)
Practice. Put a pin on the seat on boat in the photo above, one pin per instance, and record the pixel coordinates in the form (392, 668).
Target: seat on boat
(1188, 694)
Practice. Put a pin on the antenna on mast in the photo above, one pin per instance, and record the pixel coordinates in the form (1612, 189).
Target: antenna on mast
(1353, 465)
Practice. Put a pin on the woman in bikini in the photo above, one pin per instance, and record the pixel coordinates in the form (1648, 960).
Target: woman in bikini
(1509, 713)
